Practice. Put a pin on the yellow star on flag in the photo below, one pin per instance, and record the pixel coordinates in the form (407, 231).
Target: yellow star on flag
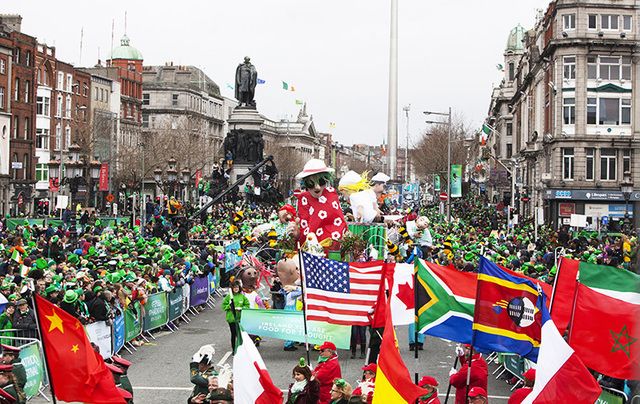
(75, 348)
(56, 322)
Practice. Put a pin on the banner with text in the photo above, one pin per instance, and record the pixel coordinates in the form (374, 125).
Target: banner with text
(456, 181)
(156, 313)
(118, 333)
(199, 291)
(132, 322)
(103, 182)
(289, 325)
(175, 303)
(100, 334)
(33, 367)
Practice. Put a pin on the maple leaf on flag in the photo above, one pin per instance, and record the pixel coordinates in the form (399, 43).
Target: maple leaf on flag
(405, 295)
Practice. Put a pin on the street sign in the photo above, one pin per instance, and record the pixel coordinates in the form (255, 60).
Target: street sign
(443, 196)
(605, 220)
(110, 198)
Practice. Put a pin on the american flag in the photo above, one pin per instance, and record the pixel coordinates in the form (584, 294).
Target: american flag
(340, 292)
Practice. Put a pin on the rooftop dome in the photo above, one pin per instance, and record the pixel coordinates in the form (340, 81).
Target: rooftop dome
(126, 51)
(514, 43)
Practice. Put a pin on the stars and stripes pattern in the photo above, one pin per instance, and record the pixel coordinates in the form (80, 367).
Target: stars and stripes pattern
(340, 292)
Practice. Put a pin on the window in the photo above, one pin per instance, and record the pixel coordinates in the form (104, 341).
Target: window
(42, 139)
(59, 107)
(25, 167)
(67, 137)
(592, 67)
(610, 68)
(569, 111)
(174, 100)
(27, 128)
(509, 150)
(69, 82)
(567, 163)
(625, 67)
(509, 128)
(16, 55)
(85, 90)
(626, 22)
(42, 172)
(609, 21)
(145, 99)
(16, 90)
(1, 97)
(568, 22)
(3, 66)
(592, 21)
(626, 161)
(16, 126)
(27, 58)
(96, 93)
(145, 121)
(67, 107)
(569, 72)
(609, 111)
(15, 171)
(590, 153)
(608, 164)
(592, 111)
(42, 106)
(625, 112)
(27, 89)
(58, 136)
(60, 83)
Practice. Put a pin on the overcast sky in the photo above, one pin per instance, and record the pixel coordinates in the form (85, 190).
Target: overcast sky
(334, 52)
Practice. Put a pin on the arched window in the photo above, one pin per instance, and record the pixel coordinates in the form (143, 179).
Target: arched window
(15, 170)
(27, 128)
(25, 166)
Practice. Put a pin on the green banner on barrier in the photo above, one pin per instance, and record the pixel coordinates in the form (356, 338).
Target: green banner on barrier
(514, 364)
(289, 325)
(33, 366)
(175, 303)
(609, 398)
(132, 323)
(155, 312)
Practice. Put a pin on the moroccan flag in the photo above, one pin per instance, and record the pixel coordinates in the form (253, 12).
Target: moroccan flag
(506, 316)
(393, 382)
(78, 373)
(446, 300)
(251, 381)
(605, 331)
(561, 377)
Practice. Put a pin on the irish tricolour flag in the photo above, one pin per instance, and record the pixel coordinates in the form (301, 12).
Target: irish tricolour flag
(251, 381)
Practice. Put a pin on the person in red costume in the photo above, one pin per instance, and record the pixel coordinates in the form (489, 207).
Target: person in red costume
(479, 373)
(520, 394)
(319, 210)
(366, 386)
(327, 370)
(431, 385)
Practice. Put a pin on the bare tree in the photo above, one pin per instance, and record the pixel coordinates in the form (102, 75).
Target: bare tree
(289, 162)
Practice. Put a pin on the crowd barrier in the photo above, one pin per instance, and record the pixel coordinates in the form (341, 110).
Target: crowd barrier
(137, 321)
(12, 223)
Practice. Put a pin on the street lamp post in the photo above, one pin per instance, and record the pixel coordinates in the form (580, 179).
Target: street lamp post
(626, 186)
(448, 155)
(406, 150)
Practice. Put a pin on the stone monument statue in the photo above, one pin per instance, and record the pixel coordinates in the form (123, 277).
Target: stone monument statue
(246, 80)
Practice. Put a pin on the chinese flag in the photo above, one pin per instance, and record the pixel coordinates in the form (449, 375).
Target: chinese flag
(77, 372)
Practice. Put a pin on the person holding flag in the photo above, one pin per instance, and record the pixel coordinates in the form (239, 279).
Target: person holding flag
(327, 371)
(473, 363)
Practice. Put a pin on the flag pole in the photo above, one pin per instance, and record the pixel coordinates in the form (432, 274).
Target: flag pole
(573, 307)
(44, 351)
(415, 317)
(304, 304)
(455, 364)
(558, 263)
(466, 399)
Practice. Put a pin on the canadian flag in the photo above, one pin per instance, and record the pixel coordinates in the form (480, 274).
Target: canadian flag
(402, 296)
(251, 381)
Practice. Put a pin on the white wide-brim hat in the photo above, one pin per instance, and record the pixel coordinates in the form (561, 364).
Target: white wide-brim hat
(349, 178)
(380, 177)
(314, 166)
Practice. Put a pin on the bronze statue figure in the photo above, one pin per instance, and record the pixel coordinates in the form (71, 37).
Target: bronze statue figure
(246, 80)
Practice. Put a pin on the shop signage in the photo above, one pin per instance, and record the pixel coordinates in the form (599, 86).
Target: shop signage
(589, 195)
(566, 209)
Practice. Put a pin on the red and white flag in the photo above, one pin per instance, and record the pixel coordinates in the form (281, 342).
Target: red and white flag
(402, 297)
(251, 381)
(561, 377)
(340, 292)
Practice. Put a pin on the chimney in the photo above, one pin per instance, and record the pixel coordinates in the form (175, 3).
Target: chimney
(11, 22)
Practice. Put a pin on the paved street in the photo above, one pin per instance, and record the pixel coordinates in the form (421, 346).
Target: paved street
(160, 373)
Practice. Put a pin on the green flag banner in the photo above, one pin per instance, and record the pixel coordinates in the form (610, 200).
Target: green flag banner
(33, 366)
(289, 325)
(436, 182)
(456, 181)
(156, 313)
(132, 322)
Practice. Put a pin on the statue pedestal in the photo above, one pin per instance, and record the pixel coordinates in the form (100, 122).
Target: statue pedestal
(237, 171)
(247, 119)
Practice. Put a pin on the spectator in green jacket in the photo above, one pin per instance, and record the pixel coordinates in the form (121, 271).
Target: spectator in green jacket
(233, 304)
(6, 323)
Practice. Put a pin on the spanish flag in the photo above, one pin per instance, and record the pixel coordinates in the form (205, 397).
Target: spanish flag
(393, 382)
